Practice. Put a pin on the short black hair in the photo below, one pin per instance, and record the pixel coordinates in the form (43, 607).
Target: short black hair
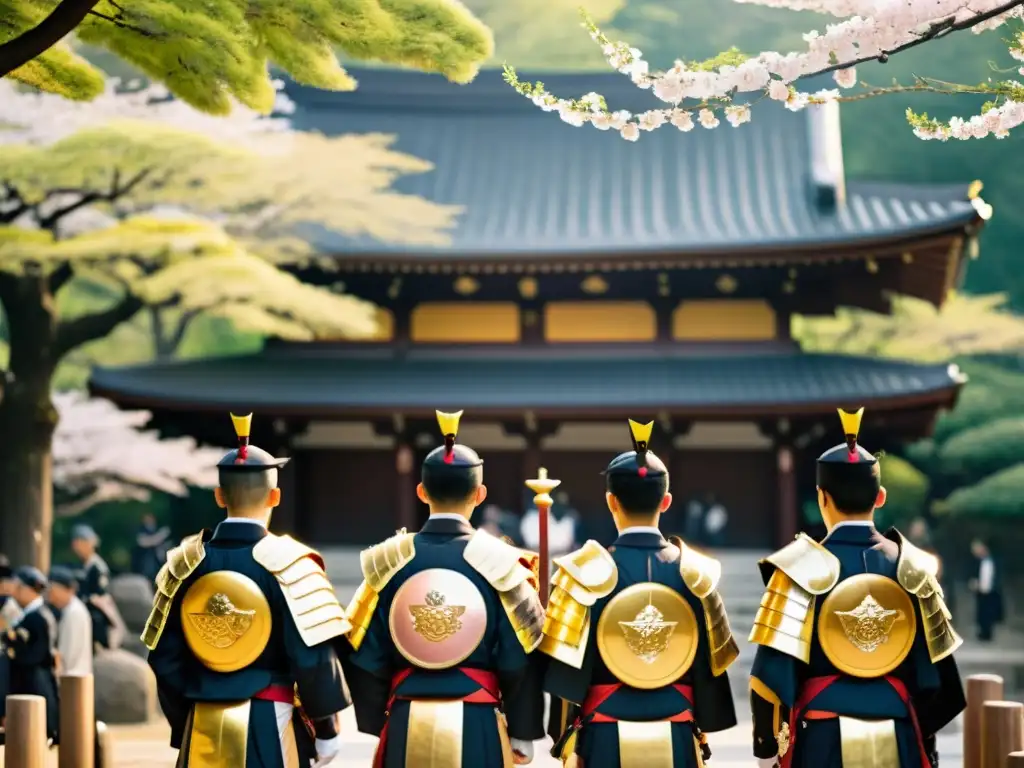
(851, 479)
(639, 496)
(246, 490)
(450, 485)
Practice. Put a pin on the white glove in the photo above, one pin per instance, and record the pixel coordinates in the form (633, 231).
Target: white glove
(767, 762)
(524, 748)
(326, 751)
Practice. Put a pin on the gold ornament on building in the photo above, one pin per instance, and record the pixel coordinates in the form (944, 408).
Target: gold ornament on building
(226, 620)
(595, 285)
(726, 284)
(528, 287)
(974, 191)
(437, 619)
(434, 621)
(907, 257)
(466, 285)
(867, 625)
(647, 636)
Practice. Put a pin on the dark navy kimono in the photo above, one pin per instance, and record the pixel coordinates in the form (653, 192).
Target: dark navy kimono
(641, 557)
(441, 544)
(286, 661)
(30, 647)
(935, 693)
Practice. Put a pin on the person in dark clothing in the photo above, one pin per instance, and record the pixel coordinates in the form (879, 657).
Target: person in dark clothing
(854, 664)
(987, 590)
(151, 544)
(93, 587)
(31, 647)
(244, 633)
(637, 635)
(443, 627)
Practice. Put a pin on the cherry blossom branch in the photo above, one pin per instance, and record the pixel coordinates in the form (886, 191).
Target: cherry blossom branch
(875, 32)
(60, 22)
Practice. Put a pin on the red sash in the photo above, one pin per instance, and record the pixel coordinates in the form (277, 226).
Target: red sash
(487, 693)
(817, 685)
(285, 694)
(599, 694)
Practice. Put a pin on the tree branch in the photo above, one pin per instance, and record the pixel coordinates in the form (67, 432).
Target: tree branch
(63, 19)
(117, 190)
(60, 276)
(184, 321)
(121, 24)
(934, 32)
(86, 328)
(12, 195)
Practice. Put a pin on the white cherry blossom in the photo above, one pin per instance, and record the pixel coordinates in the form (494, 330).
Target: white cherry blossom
(865, 30)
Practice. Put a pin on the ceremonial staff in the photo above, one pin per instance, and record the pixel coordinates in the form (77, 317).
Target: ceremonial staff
(542, 486)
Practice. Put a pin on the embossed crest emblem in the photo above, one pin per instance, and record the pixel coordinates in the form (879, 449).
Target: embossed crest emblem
(782, 738)
(869, 625)
(648, 634)
(436, 621)
(221, 624)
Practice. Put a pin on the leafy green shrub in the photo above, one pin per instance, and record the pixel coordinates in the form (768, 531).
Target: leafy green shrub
(1000, 495)
(978, 452)
(907, 489)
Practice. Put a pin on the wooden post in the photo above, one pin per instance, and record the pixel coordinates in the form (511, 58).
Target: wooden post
(980, 688)
(1015, 760)
(1002, 732)
(788, 522)
(25, 739)
(104, 746)
(77, 722)
(543, 486)
(405, 488)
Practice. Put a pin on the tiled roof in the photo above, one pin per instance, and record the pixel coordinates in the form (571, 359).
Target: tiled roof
(532, 185)
(319, 380)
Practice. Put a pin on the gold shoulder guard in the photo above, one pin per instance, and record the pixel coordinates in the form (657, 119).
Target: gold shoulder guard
(181, 563)
(796, 574)
(701, 575)
(582, 578)
(503, 567)
(379, 564)
(917, 572)
(308, 593)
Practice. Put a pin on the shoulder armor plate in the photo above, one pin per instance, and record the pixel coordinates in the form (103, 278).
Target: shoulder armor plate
(917, 572)
(582, 578)
(379, 564)
(701, 575)
(308, 593)
(502, 565)
(785, 618)
(812, 567)
(182, 561)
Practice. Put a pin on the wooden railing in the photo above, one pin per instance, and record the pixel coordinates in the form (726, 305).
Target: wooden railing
(993, 728)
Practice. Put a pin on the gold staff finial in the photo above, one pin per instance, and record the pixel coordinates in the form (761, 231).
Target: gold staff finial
(542, 486)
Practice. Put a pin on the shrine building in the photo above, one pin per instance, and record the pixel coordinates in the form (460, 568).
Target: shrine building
(588, 280)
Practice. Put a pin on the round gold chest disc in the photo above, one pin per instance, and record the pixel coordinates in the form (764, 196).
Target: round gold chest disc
(226, 620)
(867, 625)
(647, 636)
(438, 618)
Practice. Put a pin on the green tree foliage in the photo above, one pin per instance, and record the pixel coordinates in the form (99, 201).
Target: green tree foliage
(980, 451)
(907, 488)
(997, 496)
(118, 210)
(208, 53)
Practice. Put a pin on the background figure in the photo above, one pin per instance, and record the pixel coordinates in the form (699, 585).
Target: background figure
(715, 521)
(562, 528)
(694, 524)
(151, 545)
(107, 627)
(988, 590)
(500, 523)
(9, 608)
(74, 624)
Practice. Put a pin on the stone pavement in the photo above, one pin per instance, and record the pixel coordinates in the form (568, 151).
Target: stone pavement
(146, 745)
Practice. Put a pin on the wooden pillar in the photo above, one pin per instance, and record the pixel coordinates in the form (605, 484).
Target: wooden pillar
(788, 521)
(405, 488)
(1015, 760)
(104, 746)
(401, 319)
(77, 722)
(25, 737)
(664, 309)
(980, 688)
(1002, 732)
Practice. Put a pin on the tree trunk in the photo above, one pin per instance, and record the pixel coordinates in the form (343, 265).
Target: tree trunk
(27, 421)
(62, 20)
